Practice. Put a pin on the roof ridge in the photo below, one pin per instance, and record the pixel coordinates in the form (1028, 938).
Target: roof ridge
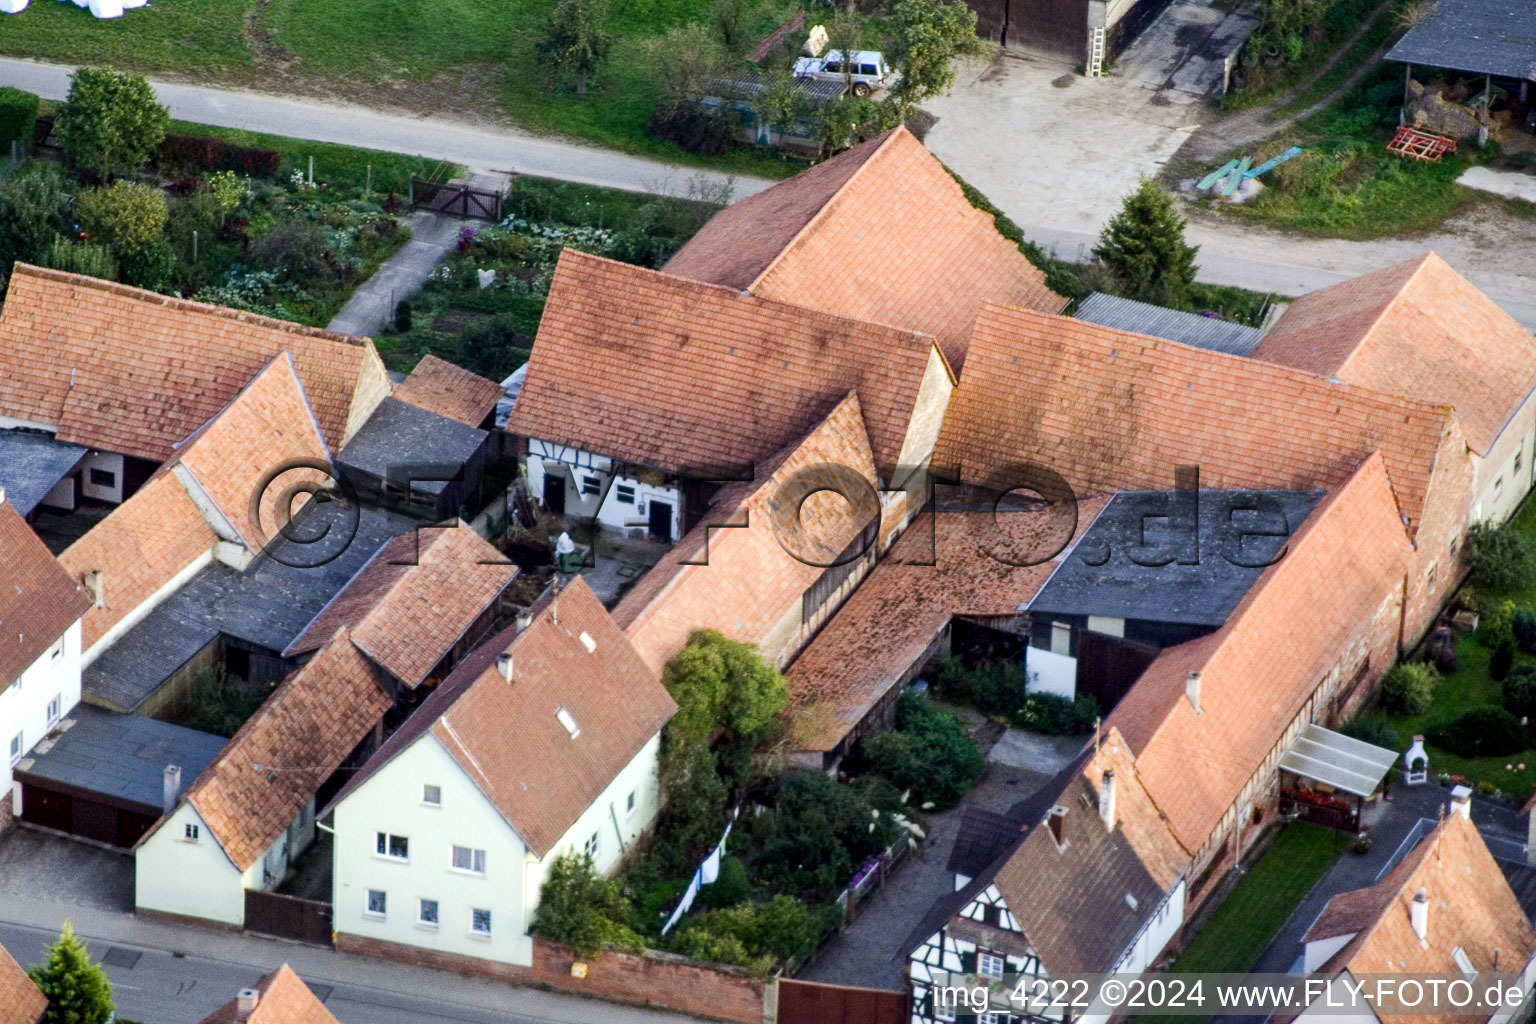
(25, 270)
(821, 211)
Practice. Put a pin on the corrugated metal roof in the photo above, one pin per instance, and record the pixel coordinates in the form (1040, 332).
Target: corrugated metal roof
(1493, 37)
(1158, 321)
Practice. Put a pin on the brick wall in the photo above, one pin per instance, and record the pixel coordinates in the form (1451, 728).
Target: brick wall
(653, 979)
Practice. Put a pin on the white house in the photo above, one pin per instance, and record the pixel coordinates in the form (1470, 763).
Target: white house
(40, 611)
(542, 742)
(250, 813)
(1090, 847)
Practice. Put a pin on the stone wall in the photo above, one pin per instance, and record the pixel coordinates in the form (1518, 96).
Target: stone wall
(652, 979)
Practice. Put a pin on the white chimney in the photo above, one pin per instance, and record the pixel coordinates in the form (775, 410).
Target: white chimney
(524, 620)
(1461, 801)
(504, 665)
(1192, 690)
(1107, 798)
(246, 1001)
(95, 588)
(1418, 916)
(172, 787)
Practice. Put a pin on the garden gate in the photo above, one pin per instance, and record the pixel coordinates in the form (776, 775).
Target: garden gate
(456, 197)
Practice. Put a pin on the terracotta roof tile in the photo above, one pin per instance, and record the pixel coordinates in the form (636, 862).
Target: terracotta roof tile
(139, 548)
(930, 575)
(279, 758)
(750, 578)
(654, 369)
(1259, 669)
(1416, 329)
(20, 1000)
(39, 600)
(414, 599)
(439, 386)
(284, 999)
(1471, 907)
(539, 776)
(1108, 409)
(882, 233)
(134, 372)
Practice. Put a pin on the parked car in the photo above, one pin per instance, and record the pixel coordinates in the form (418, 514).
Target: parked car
(870, 71)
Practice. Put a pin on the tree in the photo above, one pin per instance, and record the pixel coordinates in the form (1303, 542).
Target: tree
(582, 909)
(929, 36)
(693, 800)
(575, 42)
(717, 681)
(31, 214)
(78, 991)
(782, 105)
(1408, 688)
(1143, 245)
(126, 216)
(1501, 556)
(111, 121)
(686, 61)
(229, 192)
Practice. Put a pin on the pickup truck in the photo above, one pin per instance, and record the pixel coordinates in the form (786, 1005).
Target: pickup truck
(870, 71)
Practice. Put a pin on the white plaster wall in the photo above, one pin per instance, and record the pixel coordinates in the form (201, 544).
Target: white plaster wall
(196, 879)
(1048, 672)
(612, 513)
(24, 703)
(111, 463)
(390, 801)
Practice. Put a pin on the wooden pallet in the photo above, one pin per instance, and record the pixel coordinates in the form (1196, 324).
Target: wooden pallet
(1410, 141)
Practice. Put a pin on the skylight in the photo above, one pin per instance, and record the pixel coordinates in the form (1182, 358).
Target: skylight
(587, 641)
(569, 722)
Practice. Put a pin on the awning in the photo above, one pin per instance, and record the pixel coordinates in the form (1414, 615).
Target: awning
(1349, 765)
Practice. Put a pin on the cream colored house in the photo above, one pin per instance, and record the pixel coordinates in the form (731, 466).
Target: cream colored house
(542, 742)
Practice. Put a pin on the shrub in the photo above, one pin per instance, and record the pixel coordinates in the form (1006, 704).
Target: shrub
(79, 258)
(690, 126)
(127, 216)
(1055, 715)
(694, 800)
(18, 117)
(732, 887)
(403, 315)
(1484, 732)
(1519, 691)
(298, 251)
(757, 938)
(229, 191)
(152, 267)
(816, 832)
(1523, 626)
(1502, 557)
(1502, 662)
(583, 910)
(1497, 627)
(1408, 688)
(1371, 730)
(31, 215)
(110, 121)
(993, 687)
(930, 754)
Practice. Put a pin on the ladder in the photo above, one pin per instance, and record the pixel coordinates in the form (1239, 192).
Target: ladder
(1096, 53)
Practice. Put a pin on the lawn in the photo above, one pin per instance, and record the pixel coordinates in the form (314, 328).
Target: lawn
(470, 60)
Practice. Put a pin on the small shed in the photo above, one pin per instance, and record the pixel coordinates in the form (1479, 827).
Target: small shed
(1492, 38)
(407, 454)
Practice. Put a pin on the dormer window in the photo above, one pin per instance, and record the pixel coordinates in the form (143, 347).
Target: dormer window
(570, 723)
(1056, 821)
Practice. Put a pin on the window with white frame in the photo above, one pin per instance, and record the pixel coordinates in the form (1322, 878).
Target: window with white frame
(480, 921)
(592, 846)
(191, 833)
(987, 1018)
(53, 709)
(467, 859)
(15, 748)
(376, 903)
(990, 964)
(432, 796)
(629, 804)
(426, 913)
(392, 847)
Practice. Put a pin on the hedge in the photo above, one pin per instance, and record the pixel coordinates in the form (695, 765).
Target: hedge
(18, 116)
(203, 153)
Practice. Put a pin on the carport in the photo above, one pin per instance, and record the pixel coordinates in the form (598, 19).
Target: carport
(1325, 777)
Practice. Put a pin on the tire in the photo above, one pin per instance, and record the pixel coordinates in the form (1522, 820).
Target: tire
(861, 90)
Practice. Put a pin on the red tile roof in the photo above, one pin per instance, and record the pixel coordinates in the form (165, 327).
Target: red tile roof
(1416, 329)
(658, 370)
(439, 386)
(750, 578)
(272, 767)
(20, 1000)
(284, 999)
(414, 599)
(539, 776)
(882, 233)
(1471, 907)
(141, 547)
(1257, 671)
(937, 570)
(1109, 409)
(133, 372)
(39, 600)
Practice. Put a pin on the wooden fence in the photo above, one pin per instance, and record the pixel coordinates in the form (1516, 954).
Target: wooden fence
(287, 917)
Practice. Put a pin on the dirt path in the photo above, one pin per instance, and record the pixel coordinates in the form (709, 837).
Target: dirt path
(1246, 127)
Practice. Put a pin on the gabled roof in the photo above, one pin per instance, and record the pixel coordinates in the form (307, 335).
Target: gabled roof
(666, 372)
(937, 570)
(20, 1001)
(880, 232)
(139, 548)
(38, 599)
(439, 386)
(742, 581)
(540, 777)
(272, 767)
(1259, 669)
(283, 999)
(1110, 410)
(31, 464)
(1417, 329)
(414, 599)
(1471, 908)
(131, 371)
